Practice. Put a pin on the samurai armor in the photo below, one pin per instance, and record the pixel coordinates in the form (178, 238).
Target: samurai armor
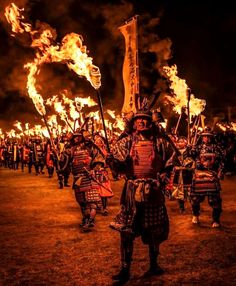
(205, 182)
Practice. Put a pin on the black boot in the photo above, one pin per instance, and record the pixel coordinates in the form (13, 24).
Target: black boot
(85, 225)
(91, 222)
(154, 269)
(123, 276)
(84, 221)
(66, 183)
(126, 249)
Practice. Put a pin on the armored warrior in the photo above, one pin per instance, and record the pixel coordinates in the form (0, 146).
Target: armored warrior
(24, 151)
(83, 153)
(9, 155)
(31, 155)
(38, 156)
(16, 155)
(2, 153)
(206, 181)
(142, 156)
(181, 174)
(5, 154)
(50, 158)
(63, 165)
(101, 175)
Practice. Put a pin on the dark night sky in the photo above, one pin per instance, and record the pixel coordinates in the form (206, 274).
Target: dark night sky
(202, 34)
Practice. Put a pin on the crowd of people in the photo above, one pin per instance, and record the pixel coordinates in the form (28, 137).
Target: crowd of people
(155, 165)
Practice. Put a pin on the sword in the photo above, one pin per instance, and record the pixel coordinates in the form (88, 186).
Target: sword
(95, 180)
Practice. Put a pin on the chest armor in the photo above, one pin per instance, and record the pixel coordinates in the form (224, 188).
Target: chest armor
(39, 151)
(207, 157)
(81, 160)
(143, 159)
(100, 175)
(26, 152)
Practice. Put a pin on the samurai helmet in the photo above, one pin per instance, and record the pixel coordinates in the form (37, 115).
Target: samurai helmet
(142, 119)
(207, 132)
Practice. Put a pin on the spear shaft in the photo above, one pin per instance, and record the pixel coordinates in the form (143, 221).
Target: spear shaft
(102, 116)
(188, 111)
(49, 132)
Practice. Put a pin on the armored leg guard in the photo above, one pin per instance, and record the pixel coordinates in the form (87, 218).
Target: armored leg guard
(36, 166)
(104, 207)
(195, 202)
(126, 249)
(154, 269)
(85, 217)
(60, 180)
(92, 214)
(181, 206)
(216, 203)
(66, 178)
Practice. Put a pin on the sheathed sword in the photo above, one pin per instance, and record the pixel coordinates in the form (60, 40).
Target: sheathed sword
(96, 181)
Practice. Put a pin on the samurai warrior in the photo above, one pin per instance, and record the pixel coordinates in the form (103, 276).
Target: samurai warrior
(63, 165)
(101, 175)
(83, 153)
(141, 154)
(206, 180)
(50, 159)
(2, 151)
(181, 174)
(38, 156)
(25, 153)
(16, 155)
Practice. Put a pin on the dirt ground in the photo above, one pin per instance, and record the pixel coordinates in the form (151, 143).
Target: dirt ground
(41, 243)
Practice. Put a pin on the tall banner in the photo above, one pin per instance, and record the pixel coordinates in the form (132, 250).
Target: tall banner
(130, 65)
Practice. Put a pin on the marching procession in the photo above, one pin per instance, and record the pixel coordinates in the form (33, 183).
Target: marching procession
(156, 166)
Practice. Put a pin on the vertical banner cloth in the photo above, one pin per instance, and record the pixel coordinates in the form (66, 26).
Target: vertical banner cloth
(130, 65)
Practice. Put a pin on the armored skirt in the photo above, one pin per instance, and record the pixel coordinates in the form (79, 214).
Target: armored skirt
(143, 211)
(85, 189)
(205, 183)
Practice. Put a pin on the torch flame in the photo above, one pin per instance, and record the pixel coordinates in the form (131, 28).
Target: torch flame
(71, 51)
(82, 101)
(17, 124)
(111, 113)
(13, 16)
(233, 124)
(180, 90)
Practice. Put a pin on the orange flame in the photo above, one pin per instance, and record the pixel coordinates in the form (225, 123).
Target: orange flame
(119, 123)
(111, 113)
(222, 126)
(82, 101)
(11, 133)
(17, 124)
(31, 82)
(1, 134)
(233, 124)
(13, 16)
(74, 114)
(71, 51)
(180, 90)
